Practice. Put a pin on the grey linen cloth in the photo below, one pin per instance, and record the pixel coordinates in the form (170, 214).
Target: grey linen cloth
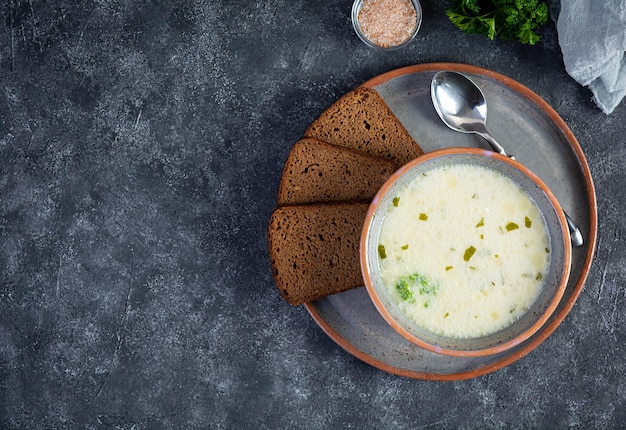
(592, 37)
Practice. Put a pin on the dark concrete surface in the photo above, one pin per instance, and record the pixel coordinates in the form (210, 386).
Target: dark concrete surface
(141, 144)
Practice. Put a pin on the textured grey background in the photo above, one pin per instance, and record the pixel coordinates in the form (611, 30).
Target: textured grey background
(141, 144)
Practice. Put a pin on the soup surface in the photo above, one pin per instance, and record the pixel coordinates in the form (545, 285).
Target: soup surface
(463, 251)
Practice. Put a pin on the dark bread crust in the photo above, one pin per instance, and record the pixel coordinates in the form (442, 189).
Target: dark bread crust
(314, 249)
(318, 172)
(362, 120)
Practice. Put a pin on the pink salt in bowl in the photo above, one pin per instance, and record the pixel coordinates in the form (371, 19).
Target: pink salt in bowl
(386, 24)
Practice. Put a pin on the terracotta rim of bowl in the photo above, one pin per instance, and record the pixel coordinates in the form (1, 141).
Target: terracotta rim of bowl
(542, 319)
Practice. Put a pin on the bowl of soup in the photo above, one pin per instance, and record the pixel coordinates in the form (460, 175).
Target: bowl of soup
(465, 252)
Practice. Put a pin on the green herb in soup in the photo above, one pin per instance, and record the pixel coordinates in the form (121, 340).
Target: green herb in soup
(511, 226)
(527, 222)
(417, 282)
(469, 252)
(404, 290)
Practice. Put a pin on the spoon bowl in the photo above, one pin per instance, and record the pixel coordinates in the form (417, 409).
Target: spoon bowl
(462, 106)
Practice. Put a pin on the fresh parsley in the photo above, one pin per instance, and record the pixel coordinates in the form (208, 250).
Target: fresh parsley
(504, 19)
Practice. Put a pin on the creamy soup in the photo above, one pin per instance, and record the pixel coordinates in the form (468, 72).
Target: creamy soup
(463, 250)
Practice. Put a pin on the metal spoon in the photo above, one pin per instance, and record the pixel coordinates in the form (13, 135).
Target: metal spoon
(462, 106)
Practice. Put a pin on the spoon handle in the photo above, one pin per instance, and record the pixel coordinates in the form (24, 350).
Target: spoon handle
(494, 144)
(575, 235)
(574, 232)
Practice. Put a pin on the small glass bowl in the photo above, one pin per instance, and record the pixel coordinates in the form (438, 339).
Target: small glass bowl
(356, 8)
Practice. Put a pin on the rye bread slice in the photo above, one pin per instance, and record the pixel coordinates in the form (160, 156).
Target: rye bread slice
(318, 172)
(362, 120)
(314, 249)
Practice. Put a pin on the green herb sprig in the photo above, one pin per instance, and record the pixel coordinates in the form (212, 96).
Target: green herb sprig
(418, 283)
(504, 19)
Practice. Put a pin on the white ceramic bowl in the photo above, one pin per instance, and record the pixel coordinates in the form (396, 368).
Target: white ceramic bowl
(555, 279)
